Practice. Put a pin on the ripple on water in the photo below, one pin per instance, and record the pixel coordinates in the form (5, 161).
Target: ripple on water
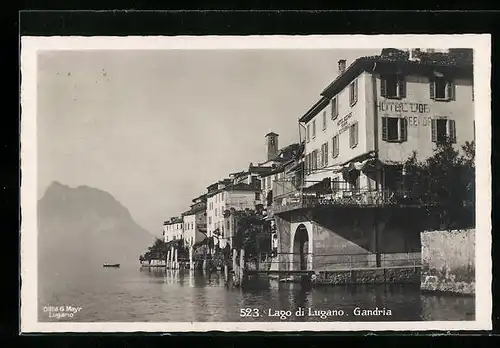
(132, 295)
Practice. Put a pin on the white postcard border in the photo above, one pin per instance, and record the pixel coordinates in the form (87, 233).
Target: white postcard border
(28, 234)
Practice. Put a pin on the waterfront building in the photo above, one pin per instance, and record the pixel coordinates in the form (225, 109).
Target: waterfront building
(225, 196)
(195, 221)
(364, 126)
(173, 229)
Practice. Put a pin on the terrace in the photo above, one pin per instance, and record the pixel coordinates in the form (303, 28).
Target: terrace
(289, 197)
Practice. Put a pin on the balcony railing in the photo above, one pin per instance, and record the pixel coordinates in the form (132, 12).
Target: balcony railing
(344, 198)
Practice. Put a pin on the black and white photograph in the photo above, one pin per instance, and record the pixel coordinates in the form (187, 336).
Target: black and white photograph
(271, 183)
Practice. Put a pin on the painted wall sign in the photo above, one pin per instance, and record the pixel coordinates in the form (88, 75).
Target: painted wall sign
(403, 107)
(416, 121)
(343, 123)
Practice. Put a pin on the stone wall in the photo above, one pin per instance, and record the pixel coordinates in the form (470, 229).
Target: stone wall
(448, 261)
(373, 276)
(283, 228)
(345, 238)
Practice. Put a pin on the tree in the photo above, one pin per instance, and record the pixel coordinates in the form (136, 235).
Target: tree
(444, 183)
(252, 233)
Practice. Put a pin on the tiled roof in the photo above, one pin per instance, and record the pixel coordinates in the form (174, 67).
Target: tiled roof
(239, 187)
(457, 61)
(260, 169)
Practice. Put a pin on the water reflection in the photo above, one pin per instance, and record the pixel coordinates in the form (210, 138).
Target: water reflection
(157, 294)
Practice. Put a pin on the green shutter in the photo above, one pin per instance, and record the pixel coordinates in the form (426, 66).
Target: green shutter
(402, 86)
(355, 91)
(356, 132)
(403, 129)
(452, 131)
(351, 136)
(451, 90)
(434, 130)
(337, 146)
(384, 128)
(382, 86)
(431, 88)
(325, 157)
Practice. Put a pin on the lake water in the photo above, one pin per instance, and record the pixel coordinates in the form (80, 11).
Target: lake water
(132, 294)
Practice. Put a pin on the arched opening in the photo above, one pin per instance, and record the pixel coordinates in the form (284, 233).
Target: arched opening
(300, 248)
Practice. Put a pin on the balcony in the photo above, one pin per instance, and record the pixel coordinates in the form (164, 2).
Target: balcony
(343, 198)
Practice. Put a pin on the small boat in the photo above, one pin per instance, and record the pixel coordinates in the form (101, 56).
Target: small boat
(111, 265)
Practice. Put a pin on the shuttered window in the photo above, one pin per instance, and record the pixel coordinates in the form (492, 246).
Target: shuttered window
(324, 120)
(308, 133)
(441, 89)
(314, 129)
(353, 134)
(324, 149)
(353, 92)
(320, 158)
(335, 146)
(394, 129)
(393, 86)
(334, 108)
(442, 129)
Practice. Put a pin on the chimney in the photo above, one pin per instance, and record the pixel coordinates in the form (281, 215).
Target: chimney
(414, 54)
(342, 64)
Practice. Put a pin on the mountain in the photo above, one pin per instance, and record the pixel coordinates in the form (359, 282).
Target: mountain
(86, 226)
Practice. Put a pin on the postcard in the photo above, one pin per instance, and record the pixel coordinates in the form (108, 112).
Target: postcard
(258, 183)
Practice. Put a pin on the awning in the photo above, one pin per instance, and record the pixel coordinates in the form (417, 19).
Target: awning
(360, 165)
(337, 169)
(321, 186)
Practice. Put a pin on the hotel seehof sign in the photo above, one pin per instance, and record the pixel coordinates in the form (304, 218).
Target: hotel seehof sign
(417, 114)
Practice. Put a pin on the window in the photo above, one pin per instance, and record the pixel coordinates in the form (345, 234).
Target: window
(394, 129)
(312, 161)
(314, 129)
(441, 89)
(315, 160)
(257, 196)
(335, 108)
(215, 211)
(335, 146)
(443, 129)
(324, 154)
(353, 92)
(393, 86)
(308, 133)
(353, 134)
(209, 220)
(324, 120)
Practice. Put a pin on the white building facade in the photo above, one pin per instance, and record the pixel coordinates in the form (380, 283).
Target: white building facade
(239, 197)
(173, 229)
(385, 108)
(194, 222)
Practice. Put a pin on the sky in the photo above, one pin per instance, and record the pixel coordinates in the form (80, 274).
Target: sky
(154, 128)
